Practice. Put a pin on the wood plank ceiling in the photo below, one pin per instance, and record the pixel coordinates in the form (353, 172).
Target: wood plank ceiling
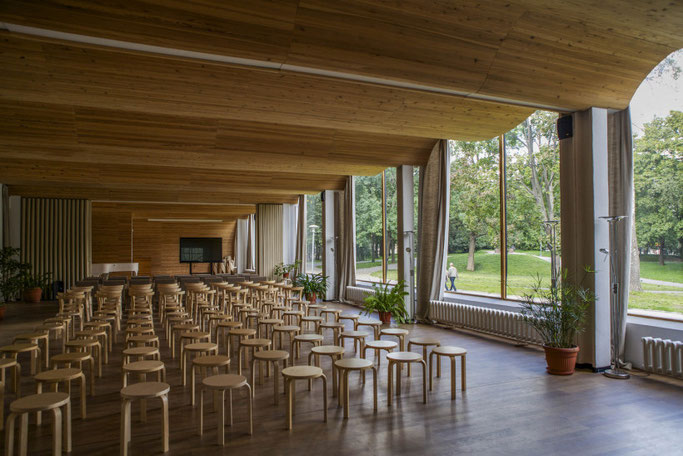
(324, 90)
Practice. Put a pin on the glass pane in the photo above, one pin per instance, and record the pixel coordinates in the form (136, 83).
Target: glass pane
(474, 227)
(533, 203)
(369, 228)
(314, 242)
(391, 237)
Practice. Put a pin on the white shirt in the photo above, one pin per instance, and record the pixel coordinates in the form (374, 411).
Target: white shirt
(452, 272)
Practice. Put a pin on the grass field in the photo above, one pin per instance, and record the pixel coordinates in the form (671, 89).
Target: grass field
(524, 267)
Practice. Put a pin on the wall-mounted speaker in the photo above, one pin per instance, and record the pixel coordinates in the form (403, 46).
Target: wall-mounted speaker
(565, 127)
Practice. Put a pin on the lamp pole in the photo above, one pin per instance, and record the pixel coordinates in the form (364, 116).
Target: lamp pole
(313, 228)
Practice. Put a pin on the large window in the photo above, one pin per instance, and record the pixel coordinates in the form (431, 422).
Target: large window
(314, 241)
(369, 229)
(502, 252)
(656, 281)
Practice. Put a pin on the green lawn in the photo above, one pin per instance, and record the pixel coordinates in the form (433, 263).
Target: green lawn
(656, 301)
(672, 271)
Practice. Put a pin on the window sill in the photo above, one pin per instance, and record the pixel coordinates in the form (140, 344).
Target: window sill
(656, 315)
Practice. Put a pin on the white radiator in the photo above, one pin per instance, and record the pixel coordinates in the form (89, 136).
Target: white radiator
(663, 356)
(492, 321)
(357, 294)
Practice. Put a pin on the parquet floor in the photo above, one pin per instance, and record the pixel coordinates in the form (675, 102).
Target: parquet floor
(511, 407)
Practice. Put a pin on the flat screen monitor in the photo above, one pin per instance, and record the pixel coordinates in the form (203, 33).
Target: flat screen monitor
(201, 250)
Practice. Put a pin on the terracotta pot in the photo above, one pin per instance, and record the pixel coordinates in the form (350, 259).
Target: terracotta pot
(285, 275)
(313, 298)
(385, 317)
(33, 295)
(561, 361)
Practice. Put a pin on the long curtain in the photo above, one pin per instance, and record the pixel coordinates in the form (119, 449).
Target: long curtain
(300, 254)
(268, 238)
(249, 264)
(5, 216)
(347, 239)
(620, 162)
(434, 197)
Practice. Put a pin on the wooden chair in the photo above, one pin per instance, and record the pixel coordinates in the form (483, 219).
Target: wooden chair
(142, 392)
(220, 384)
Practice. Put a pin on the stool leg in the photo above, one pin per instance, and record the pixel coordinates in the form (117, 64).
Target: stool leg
(39, 415)
(276, 380)
(389, 382)
(230, 405)
(438, 367)
(452, 378)
(325, 397)
(250, 409)
(92, 376)
(201, 411)
(374, 388)
(424, 381)
(399, 369)
(125, 426)
(23, 434)
(164, 422)
(221, 421)
(463, 378)
(9, 434)
(82, 377)
(192, 382)
(431, 361)
(66, 428)
(346, 393)
(56, 431)
(410, 346)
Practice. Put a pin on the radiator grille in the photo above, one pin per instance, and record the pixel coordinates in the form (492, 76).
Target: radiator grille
(492, 321)
(663, 356)
(357, 294)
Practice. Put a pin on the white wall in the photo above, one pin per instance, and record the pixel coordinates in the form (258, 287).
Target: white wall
(289, 227)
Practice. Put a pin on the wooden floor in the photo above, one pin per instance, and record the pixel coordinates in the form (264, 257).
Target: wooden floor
(511, 407)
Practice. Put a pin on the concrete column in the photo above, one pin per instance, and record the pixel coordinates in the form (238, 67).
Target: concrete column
(329, 244)
(585, 198)
(406, 231)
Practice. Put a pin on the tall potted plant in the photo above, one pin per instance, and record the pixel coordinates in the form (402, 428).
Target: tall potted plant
(558, 314)
(11, 272)
(313, 285)
(387, 302)
(33, 285)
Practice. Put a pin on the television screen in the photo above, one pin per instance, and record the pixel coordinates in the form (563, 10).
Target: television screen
(201, 250)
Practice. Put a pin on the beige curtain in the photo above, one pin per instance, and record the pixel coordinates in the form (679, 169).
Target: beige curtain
(434, 197)
(620, 162)
(5, 216)
(250, 243)
(56, 238)
(347, 239)
(268, 238)
(301, 233)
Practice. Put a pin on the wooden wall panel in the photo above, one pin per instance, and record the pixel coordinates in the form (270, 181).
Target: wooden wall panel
(111, 235)
(156, 244)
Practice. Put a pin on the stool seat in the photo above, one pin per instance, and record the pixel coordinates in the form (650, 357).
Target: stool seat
(143, 338)
(353, 363)
(312, 318)
(385, 344)
(229, 324)
(270, 321)
(369, 322)
(272, 355)
(145, 390)
(82, 342)
(308, 337)
(286, 328)
(140, 351)
(448, 350)
(39, 402)
(424, 341)
(224, 381)
(194, 334)
(302, 372)
(7, 362)
(395, 332)
(58, 375)
(354, 334)
(201, 346)
(255, 342)
(33, 335)
(243, 332)
(18, 348)
(327, 350)
(211, 360)
(331, 324)
(404, 356)
(349, 316)
(144, 366)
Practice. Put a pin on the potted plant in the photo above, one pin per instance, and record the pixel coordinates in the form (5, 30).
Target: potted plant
(558, 314)
(32, 285)
(313, 284)
(283, 270)
(11, 271)
(387, 302)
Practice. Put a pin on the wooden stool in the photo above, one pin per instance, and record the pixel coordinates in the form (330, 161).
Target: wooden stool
(336, 328)
(376, 326)
(268, 324)
(291, 374)
(334, 312)
(99, 334)
(14, 350)
(290, 330)
(143, 340)
(254, 344)
(397, 359)
(345, 366)
(221, 383)
(105, 325)
(182, 328)
(6, 363)
(452, 353)
(305, 321)
(197, 347)
(142, 392)
(56, 376)
(425, 342)
(35, 338)
(192, 337)
(269, 356)
(140, 353)
(379, 345)
(335, 353)
(358, 337)
(240, 333)
(61, 422)
(222, 333)
(67, 359)
(292, 317)
(205, 362)
(142, 368)
(315, 339)
(353, 317)
(313, 308)
(397, 332)
(88, 345)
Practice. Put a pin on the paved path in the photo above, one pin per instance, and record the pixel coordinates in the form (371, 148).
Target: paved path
(662, 282)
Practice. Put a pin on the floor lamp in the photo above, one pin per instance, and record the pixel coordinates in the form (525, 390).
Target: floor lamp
(616, 304)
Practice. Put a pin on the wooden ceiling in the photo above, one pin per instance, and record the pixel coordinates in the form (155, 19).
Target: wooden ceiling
(144, 211)
(331, 88)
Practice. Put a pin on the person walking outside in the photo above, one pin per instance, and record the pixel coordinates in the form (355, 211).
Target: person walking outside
(452, 275)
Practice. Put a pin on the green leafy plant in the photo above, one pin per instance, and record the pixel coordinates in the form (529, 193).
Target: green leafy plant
(312, 283)
(282, 268)
(30, 280)
(558, 313)
(11, 273)
(387, 299)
